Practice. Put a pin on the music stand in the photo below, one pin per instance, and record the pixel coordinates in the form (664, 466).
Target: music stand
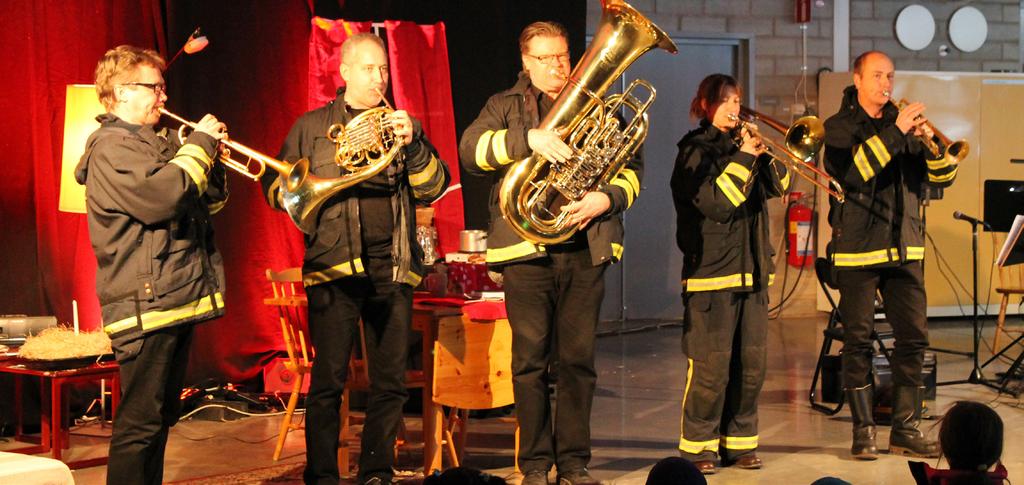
(1012, 253)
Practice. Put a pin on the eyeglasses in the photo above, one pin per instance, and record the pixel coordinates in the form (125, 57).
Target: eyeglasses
(552, 58)
(158, 88)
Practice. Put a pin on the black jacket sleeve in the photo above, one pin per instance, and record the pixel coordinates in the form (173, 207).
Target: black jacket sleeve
(492, 140)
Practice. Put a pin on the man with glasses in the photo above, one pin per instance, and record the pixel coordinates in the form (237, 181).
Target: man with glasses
(553, 292)
(149, 201)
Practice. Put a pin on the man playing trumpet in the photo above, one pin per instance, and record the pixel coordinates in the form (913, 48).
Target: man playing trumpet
(149, 200)
(878, 244)
(361, 261)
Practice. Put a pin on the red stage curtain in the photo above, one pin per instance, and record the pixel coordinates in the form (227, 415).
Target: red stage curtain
(255, 75)
(421, 84)
(47, 45)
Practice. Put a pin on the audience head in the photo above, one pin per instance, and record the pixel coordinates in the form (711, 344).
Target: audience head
(971, 436)
(830, 481)
(461, 475)
(675, 470)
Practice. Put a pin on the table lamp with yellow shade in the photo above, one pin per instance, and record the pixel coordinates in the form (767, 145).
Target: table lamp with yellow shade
(81, 108)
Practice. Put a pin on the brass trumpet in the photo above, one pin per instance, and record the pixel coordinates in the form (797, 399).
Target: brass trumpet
(302, 194)
(955, 150)
(803, 140)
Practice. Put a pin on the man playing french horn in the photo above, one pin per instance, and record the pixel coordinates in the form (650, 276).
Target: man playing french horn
(553, 292)
(878, 244)
(362, 261)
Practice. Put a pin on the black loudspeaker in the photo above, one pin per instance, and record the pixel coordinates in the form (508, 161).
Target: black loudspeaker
(832, 382)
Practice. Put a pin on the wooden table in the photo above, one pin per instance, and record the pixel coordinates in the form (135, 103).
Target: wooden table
(425, 319)
(54, 433)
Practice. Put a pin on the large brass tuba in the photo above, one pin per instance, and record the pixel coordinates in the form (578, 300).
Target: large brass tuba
(534, 188)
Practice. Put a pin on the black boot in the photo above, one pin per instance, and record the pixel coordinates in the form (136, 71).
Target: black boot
(864, 447)
(905, 438)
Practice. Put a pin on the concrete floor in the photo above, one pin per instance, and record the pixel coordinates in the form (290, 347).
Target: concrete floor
(635, 419)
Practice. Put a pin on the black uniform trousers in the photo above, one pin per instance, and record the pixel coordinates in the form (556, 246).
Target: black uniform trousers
(724, 340)
(902, 289)
(152, 374)
(335, 308)
(553, 307)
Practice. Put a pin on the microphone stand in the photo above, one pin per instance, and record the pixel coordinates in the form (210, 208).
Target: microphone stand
(976, 376)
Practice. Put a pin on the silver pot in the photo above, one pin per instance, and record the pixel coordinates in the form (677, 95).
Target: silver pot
(473, 241)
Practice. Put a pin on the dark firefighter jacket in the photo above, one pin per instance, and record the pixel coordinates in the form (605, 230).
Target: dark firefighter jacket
(721, 228)
(883, 173)
(334, 250)
(149, 202)
(497, 138)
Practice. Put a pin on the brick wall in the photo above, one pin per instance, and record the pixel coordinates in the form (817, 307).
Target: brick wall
(778, 39)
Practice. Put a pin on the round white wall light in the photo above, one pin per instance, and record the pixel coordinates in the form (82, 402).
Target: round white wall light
(915, 27)
(968, 29)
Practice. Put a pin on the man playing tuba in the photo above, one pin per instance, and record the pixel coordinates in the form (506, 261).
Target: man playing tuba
(553, 292)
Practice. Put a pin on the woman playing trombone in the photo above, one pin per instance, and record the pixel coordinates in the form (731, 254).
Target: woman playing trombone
(720, 186)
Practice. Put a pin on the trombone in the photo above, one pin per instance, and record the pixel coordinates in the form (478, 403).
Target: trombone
(803, 141)
(955, 151)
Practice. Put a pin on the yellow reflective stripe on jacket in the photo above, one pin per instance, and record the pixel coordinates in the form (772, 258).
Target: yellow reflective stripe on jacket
(785, 180)
(481, 151)
(499, 147)
(193, 160)
(740, 442)
(347, 268)
(737, 170)
(915, 253)
(878, 148)
(160, 318)
(617, 250)
(729, 188)
(863, 166)
(718, 282)
(938, 164)
(943, 178)
(629, 183)
(508, 253)
(868, 258)
(410, 278)
(692, 447)
(424, 176)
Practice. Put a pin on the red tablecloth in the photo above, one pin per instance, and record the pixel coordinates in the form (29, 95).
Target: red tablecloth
(475, 309)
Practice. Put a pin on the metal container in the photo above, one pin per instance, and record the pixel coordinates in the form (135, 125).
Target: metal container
(473, 241)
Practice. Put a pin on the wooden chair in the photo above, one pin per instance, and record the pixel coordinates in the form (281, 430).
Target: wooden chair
(472, 370)
(290, 302)
(1011, 283)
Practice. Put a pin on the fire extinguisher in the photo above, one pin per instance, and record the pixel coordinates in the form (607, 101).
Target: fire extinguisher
(802, 11)
(800, 238)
